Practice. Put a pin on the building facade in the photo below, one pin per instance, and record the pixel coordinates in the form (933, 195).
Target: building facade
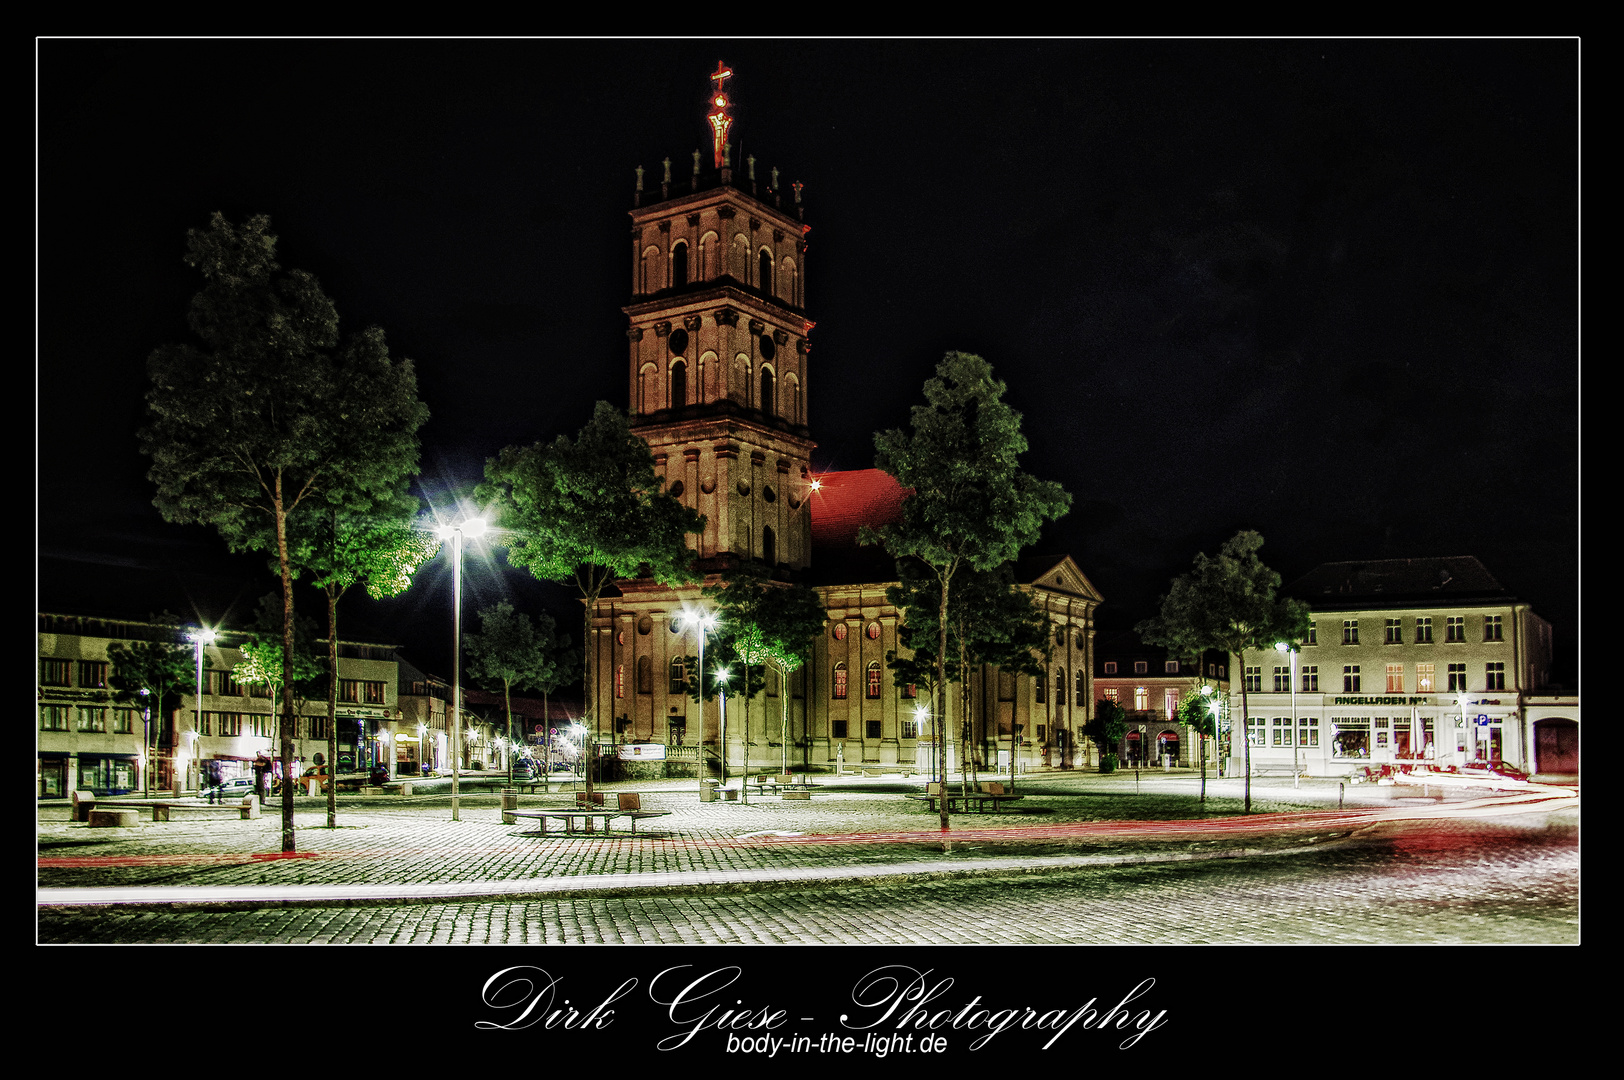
(719, 366)
(1408, 660)
(1150, 686)
(389, 715)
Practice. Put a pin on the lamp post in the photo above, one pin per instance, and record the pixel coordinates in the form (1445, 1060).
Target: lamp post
(200, 637)
(473, 528)
(704, 622)
(146, 735)
(1460, 699)
(721, 742)
(921, 714)
(1292, 652)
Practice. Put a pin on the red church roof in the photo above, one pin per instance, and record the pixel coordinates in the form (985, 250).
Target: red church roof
(845, 501)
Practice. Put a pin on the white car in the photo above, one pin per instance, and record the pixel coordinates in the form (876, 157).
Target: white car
(230, 790)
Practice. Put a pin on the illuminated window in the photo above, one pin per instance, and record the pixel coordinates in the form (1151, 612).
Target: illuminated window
(1350, 737)
(620, 680)
(1457, 676)
(873, 678)
(840, 681)
(1141, 699)
(1307, 731)
(1491, 629)
(1257, 731)
(1423, 630)
(1382, 731)
(1395, 678)
(1455, 629)
(1395, 632)
(1311, 679)
(1425, 678)
(1350, 631)
(1171, 699)
(92, 719)
(873, 631)
(1495, 674)
(1282, 731)
(1111, 695)
(1350, 678)
(839, 631)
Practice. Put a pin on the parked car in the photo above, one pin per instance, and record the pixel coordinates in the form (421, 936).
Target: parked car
(231, 790)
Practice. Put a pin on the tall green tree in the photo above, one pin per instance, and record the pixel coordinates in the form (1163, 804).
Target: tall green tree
(515, 653)
(971, 507)
(272, 415)
(1228, 603)
(770, 624)
(379, 551)
(589, 511)
(150, 675)
(290, 679)
(990, 622)
(1109, 725)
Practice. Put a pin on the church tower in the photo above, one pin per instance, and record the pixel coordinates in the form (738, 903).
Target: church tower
(717, 349)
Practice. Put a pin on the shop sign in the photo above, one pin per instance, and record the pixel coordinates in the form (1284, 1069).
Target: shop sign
(1381, 701)
(642, 751)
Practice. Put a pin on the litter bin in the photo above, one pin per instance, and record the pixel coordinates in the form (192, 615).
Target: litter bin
(510, 801)
(707, 790)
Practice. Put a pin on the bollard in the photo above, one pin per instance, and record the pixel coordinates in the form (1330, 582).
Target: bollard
(1341, 788)
(510, 801)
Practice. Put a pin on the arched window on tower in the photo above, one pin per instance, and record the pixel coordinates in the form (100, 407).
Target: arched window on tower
(1082, 689)
(767, 398)
(679, 384)
(874, 679)
(647, 386)
(679, 263)
(839, 690)
(769, 546)
(792, 281)
(707, 257)
(792, 399)
(765, 274)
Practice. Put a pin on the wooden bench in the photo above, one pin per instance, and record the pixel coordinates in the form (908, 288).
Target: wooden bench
(567, 817)
(120, 817)
(247, 809)
(631, 804)
(978, 800)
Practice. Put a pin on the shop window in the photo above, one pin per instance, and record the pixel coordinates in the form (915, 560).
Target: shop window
(1350, 737)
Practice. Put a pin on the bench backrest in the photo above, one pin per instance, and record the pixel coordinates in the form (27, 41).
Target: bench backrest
(933, 789)
(583, 799)
(630, 800)
(993, 788)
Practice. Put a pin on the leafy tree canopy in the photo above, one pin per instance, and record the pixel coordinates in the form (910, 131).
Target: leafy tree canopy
(1109, 725)
(1227, 603)
(162, 668)
(995, 623)
(512, 652)
(767, 622)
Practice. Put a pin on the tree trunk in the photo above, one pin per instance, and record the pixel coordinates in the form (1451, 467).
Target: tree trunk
(1246, 730)
(286, 570)
(332, 708)
(941, 704)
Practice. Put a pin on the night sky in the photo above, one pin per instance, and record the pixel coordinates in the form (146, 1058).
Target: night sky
(1327, 290)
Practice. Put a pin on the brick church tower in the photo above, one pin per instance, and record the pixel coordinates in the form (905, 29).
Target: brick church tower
(717, 350)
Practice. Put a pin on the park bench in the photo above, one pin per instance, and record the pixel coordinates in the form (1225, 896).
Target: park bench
(631, 805)
(986, 794)
(568, 817)
(247, 809)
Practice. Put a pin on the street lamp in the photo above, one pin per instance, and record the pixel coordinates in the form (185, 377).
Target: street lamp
(921, 714)
(200, 637)
(705, 622)
(1460, 699)
(473, 528)
(1292, 652)
(721, 743)
(146, 736)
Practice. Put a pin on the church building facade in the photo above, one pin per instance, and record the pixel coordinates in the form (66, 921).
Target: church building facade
(718, 370)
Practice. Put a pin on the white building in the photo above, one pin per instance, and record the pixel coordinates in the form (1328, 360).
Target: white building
(1408, 660)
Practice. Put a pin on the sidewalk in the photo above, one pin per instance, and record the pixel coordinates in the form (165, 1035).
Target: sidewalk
(407, 849)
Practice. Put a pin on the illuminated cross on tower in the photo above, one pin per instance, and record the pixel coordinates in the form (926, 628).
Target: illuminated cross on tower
(720, 121)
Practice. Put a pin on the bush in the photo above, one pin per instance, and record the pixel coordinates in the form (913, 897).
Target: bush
(1108, 763)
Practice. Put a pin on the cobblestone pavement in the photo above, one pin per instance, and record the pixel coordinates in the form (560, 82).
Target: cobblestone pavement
(1480, 867)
